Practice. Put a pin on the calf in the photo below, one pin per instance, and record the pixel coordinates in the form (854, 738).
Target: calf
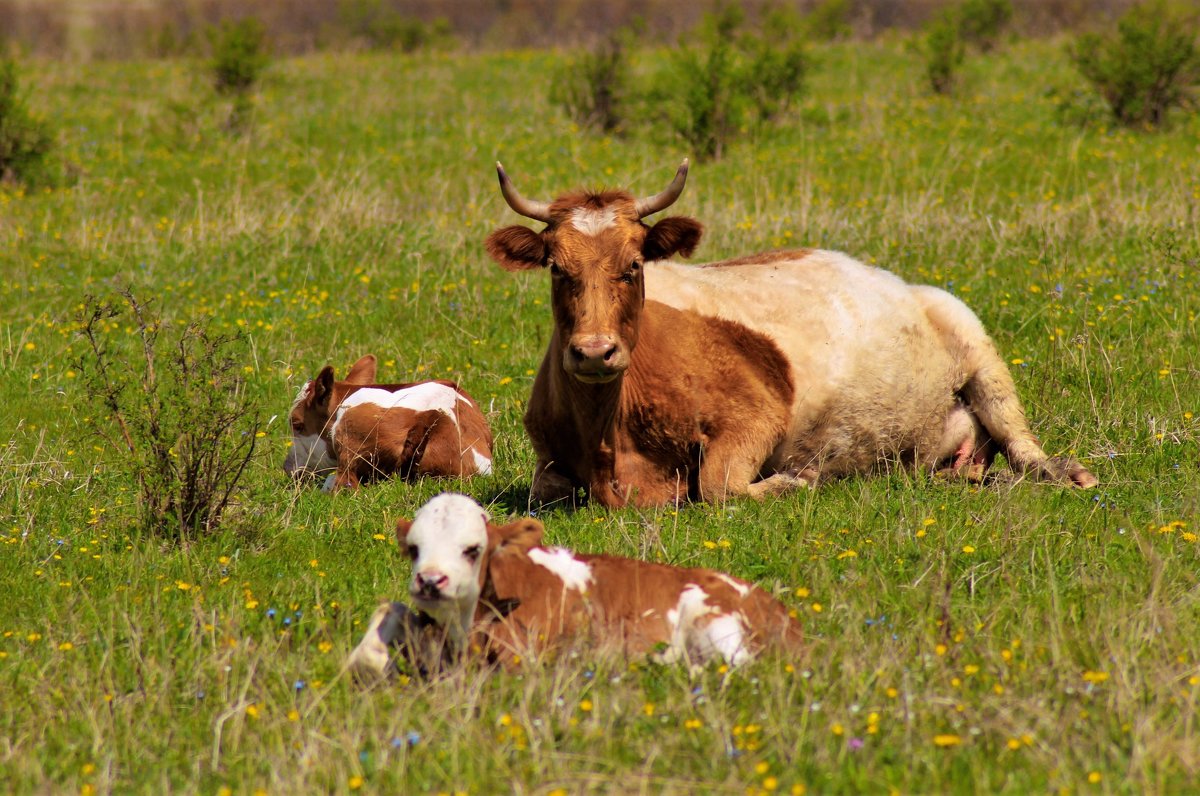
(360, 431)
(495, 590)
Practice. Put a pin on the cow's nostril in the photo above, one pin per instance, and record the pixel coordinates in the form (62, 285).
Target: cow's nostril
(609, 354)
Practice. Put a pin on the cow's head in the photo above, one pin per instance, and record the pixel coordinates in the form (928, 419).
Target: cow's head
(315, 404)
(451, 541)
(594, 245)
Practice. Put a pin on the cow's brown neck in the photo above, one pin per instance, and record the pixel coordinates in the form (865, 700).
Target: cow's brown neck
(599, 414)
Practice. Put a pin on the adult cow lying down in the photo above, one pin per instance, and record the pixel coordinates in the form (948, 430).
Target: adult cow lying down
(749, 376)
(496, 591)
(361, 431)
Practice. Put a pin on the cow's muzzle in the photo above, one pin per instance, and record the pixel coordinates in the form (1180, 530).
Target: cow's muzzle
(429, 586)
(595, 358)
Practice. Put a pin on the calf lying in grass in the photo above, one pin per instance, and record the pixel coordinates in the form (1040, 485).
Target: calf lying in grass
(364, 431)
(495, 591)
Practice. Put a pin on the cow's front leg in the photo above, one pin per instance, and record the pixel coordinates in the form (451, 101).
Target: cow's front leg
(551, 485)
(728, 470)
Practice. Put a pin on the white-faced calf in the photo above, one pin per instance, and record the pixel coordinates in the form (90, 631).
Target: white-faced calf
(360, 431)
(495, 590)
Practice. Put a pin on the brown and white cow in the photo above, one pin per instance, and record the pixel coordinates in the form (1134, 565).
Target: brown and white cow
(360, 431)
(495, 590)
(751, 376)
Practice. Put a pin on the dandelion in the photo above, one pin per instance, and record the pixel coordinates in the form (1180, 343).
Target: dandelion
(66, 646)
(1095, 678)
(355, 782)
(1013, 744)
(946, 740)
(293, 715)
(693, 724)
(968, 549)
(252, 710)
(648, 708)
(1094, 777)
(770, 783)
(586, 705)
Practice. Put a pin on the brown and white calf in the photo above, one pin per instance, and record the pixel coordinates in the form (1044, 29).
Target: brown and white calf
(360, 431)
(751, 376)
(496, 590)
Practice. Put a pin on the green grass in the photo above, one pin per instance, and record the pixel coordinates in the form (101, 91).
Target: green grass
(1048, 637)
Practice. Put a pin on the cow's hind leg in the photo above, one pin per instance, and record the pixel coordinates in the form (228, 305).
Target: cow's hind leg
(991, 394)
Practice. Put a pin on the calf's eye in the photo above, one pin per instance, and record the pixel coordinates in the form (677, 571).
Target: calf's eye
(472, 553)
(413, 551)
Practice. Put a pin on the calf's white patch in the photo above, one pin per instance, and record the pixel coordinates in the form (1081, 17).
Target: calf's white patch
(575, 574)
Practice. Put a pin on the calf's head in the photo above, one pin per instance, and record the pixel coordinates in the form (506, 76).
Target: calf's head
(594, 246)
(451, 541)
(310, 452)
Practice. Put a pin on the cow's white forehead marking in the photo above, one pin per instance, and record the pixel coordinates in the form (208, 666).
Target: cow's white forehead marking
(302, 394)
(741, 588)
(593, 222)
(575, 574)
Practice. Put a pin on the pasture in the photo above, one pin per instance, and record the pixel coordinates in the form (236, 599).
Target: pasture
(1015, 637)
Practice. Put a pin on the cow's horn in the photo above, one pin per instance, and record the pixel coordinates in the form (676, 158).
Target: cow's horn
(667, 198)
(538, 211)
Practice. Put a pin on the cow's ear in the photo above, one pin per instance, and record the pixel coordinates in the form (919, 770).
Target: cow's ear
(322, 386)
(670, 236)
(363, 371)
(402, 528)
(517, 248)
(523, 533)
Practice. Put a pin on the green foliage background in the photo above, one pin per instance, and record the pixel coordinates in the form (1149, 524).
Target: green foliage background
(1016, 637)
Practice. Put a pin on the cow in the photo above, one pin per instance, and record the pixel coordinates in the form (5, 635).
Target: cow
(357, 430)
(753, 376)
(495, 592)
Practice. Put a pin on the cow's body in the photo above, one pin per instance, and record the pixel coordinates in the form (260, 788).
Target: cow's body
(496, 591)
(878, 372)
(363, 431)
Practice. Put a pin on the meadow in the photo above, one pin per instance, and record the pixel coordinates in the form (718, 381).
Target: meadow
(1012, 637)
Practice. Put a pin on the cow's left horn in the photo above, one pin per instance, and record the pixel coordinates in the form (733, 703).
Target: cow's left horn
(538, 211)
(667, 198)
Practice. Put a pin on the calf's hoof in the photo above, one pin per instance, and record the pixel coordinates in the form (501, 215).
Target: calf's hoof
(371, 660)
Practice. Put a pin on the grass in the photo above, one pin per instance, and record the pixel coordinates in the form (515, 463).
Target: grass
(1016, 637)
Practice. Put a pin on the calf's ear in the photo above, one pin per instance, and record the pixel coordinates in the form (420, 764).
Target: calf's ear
(524, 533)
(517, 248)
(363, 371)
(322, 386)
(670, 236)
(402, 528)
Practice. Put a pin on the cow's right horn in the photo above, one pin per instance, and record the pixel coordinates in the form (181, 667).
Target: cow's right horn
(667, 198)
(538, 211)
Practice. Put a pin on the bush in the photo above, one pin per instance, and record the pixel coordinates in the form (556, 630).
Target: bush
(593, 88)
(174, 410)
(731, 78)
(1149, 65)
(981, 22)
(829, 20)
(24, 140)
(239, 58)
(381, 27)
(943, 49)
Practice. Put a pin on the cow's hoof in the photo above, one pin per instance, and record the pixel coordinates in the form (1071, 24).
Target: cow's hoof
(371, 660)
(1070, 472)
(780, 483)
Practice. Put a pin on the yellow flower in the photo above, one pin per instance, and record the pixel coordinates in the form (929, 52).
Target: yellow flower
(968, 549)
(848, 554)
(770, 783)
(252, 711)
(946, 740)
(585, 705)
(1094, 777)
(355, 782)
(66, 646)
(648, 708)
(1095, 678)
(817, 607)
(1014, 744)
(693, 724)
(293, 715)
(762, 767)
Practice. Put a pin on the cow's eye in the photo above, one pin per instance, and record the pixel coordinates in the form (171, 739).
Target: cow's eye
(472, 553)
(413, 551)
